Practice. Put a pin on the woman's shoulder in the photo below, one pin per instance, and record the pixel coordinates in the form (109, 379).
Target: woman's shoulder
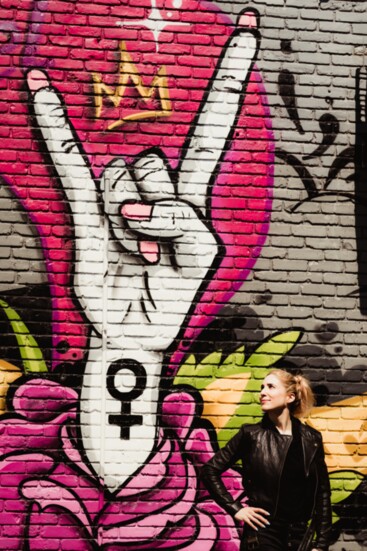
(309, 431)
(250, 428)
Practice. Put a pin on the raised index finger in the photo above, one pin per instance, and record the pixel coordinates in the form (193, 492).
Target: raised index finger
(64, 149)
(218, 113)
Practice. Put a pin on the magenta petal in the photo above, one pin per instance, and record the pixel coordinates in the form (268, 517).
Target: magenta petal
(18, 434)
(228, 538)
(178, 410)
(169, 501)
(196, 532)
(151, 475)
(84, 487)
(146, 530)
(199, 446)
(71, 451)
(200, 450)
(13, 470)
(206, 536)
(147, 527)
(41, 399)
(47, 493)
(52, 531)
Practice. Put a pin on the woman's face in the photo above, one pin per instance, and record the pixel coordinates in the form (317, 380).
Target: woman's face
(273, 395)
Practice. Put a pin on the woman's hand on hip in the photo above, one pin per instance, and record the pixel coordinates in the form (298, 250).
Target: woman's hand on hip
(255, 517)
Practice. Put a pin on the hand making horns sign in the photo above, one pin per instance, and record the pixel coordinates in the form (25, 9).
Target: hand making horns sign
(141, 259)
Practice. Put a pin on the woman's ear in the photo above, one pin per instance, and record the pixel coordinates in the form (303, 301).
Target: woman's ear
(291, 398)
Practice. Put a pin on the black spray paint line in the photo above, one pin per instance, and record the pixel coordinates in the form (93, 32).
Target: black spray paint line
(340, 162)
(329, 127)
(287, 91)
(302, 172)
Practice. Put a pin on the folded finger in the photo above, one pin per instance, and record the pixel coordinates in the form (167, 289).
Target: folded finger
(118, 187)
(152, 176)
(217, 117)
(177, 224)
(164, 219)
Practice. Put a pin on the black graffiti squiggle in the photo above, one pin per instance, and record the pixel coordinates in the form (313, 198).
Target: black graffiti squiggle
(301, 170)
(329, 127)
(287, 91)
(309, 183)
(341, 161)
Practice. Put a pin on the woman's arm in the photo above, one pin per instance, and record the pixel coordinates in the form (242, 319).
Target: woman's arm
(323, 520)
(211, 475)
(213, 469)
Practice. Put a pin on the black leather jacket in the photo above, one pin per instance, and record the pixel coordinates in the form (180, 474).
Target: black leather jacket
(262, 451)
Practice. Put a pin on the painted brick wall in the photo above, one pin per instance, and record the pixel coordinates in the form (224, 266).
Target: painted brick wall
(183, 207)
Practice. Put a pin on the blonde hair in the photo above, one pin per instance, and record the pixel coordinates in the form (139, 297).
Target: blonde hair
(300, 387)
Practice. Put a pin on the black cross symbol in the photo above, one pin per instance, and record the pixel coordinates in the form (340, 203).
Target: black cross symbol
(125, 419)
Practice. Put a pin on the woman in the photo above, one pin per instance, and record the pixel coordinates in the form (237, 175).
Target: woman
(283, 469)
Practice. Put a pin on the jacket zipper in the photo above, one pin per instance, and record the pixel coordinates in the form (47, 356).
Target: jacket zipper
(308, 537)
(281, 473)
(310, 527)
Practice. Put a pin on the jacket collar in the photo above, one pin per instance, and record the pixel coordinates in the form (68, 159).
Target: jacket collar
(268, 424)
(308, 439)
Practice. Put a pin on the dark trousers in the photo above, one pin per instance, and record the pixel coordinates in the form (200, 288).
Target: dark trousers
(278, 536)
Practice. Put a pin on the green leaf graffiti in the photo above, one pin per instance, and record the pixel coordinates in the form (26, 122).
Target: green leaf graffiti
(342, 484)
(257, 365)
(30, 352)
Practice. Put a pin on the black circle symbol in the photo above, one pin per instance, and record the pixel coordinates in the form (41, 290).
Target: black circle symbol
(125, 420)
(129, 365)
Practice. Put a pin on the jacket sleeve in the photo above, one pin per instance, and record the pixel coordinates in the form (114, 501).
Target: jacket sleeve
(323, 521)
(220, 462)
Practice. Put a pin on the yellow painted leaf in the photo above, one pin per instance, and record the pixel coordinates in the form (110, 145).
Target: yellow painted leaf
(8, 374)
(344, 429)
(221, 398)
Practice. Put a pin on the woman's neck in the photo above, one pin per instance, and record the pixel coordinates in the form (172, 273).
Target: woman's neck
(282, 421)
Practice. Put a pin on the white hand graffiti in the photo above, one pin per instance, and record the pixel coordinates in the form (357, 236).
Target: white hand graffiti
(141, 259)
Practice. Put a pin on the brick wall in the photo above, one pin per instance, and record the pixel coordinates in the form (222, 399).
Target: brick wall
(182, 208)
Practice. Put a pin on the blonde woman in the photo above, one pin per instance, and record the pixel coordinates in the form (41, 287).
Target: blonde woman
(283, 469)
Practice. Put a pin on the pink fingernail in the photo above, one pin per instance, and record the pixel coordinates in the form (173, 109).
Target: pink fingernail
(137, 211)
(36, 80)
(150, 251)
(248, 19)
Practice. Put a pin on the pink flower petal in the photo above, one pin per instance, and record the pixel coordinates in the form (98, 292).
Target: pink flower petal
(175, 493)
(151, 475)
(42, 399)
(71, 452)
(18, 434)
(228, 538)
(47, 493)
(53, 531)
(178, 411)
(13, 515)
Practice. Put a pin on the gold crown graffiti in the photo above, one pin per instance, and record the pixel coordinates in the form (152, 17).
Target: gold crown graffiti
(128, 72)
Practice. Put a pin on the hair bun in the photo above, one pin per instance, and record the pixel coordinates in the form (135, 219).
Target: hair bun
(300, 387)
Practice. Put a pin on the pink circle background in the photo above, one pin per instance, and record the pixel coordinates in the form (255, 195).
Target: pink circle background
(72, 40)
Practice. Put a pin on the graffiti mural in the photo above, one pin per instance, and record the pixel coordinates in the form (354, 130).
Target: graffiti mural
(183, 185)
(132, 153)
